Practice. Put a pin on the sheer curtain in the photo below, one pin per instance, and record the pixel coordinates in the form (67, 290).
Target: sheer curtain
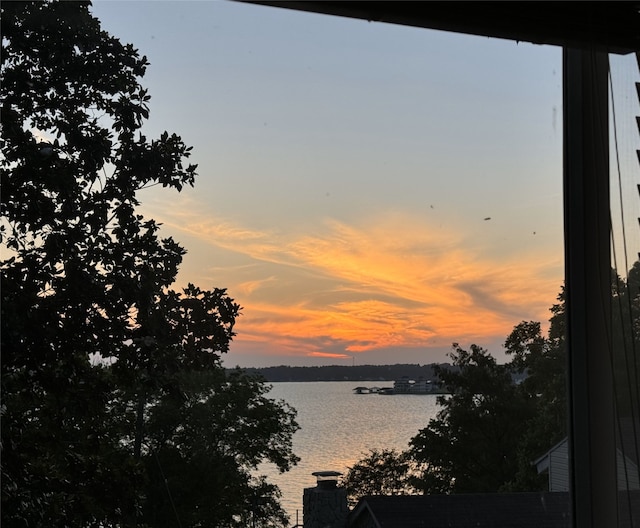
(624, 113)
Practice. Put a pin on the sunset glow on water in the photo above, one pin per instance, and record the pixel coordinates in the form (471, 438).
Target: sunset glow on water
(338, 427)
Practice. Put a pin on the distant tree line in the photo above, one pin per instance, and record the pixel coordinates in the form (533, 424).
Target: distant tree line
(371, 373)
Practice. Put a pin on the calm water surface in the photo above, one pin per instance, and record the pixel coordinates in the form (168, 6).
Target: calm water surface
(338, 427)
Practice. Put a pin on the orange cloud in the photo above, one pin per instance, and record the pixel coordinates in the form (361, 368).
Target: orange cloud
(329, 355)
(391, 281)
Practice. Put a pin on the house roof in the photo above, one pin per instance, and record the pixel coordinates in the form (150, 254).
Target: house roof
(481, 510)
(495, 510)
(542, 462)
(612, 26)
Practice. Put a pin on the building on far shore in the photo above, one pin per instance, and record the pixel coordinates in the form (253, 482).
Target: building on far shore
(406, 385)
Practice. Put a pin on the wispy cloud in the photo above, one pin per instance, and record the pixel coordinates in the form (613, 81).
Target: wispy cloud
(247, 288)
(329, 355)
(389, 281)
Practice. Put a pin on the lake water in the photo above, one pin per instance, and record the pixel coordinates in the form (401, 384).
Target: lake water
(338, 427)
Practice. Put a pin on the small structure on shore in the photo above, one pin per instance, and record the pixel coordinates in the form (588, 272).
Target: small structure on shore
(404, 385)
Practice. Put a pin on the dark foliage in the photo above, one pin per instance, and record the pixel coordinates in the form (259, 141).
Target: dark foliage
(470, 445)
(491, 428)
(381, 472)
(114, 400)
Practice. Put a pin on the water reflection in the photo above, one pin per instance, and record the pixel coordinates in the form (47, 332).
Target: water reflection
(338, 427)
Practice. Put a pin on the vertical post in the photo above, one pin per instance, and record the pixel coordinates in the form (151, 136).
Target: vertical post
(588, 286)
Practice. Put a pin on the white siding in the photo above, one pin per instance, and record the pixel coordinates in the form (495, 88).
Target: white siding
(559, 468)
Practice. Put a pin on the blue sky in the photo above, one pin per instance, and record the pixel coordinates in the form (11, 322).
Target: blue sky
(368, 193)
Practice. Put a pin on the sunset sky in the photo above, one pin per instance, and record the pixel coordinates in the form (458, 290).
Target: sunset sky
(368, 193)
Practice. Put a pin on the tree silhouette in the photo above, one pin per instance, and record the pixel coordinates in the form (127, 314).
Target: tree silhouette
(470, 445)
(114, 400)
